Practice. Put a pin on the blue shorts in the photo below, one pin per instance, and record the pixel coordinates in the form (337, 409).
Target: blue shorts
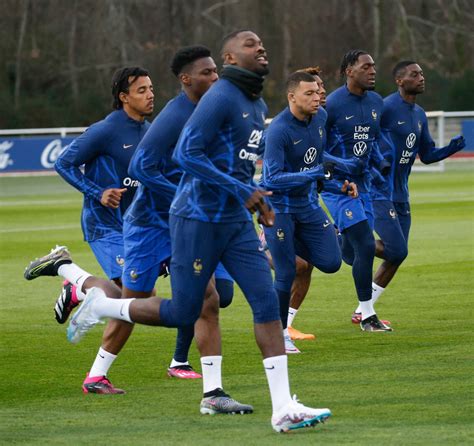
(348, 211)
(109, 252)
(146, 249)
(221, 273)
(198, 247)
(311, 236)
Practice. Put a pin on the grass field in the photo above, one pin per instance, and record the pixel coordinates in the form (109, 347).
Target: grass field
(413, 386)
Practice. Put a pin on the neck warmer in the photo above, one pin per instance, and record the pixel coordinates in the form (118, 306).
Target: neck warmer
(250, 83)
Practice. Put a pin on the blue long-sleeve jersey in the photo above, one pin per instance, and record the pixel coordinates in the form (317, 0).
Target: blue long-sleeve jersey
(353, 130)
(153, 167)
(292, 161)
(105, 150)
(217, 150)
(405, 134)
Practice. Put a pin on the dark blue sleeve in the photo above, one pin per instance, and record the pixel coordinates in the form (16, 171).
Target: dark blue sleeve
(351, 166)
(274, 176)
(199, 132)
(148, 162)
(81, 151)
(428, 152)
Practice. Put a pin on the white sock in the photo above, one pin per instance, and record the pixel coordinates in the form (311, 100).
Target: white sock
(113, 308)
(285, 332)
(211, 373)
(358, 309)
(291, 315)
(74, 274)
(276, 369)
(80, 295)
(103, 362)
(367, 309)
(376, 292)
(175, 363)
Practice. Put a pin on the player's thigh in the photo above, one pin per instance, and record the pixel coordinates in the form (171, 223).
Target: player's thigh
(250, 269)
(196, 251)
(316, 241)
(387, 226)
(404, 217)
(280, 240)
(145, 249)
(109, 252)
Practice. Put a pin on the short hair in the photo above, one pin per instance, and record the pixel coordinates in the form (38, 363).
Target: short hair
(314, 71)
(350, 58)
(227, 38)
(120, 83)
(400, 67)
(187, 55)
(295, 78)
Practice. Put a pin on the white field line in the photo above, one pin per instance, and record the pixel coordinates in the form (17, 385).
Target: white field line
(36, 202)
(39, 229)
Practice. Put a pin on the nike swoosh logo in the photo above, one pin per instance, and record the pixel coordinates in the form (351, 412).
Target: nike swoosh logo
(270, 368)
(127, 146)
(349, 117)
(325, 225)
(207, 363)
(79, 278)
(400, 122)
(297, 142)
(245, 115)
(121, 313)
(101, 356)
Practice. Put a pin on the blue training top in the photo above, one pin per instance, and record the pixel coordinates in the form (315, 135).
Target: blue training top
(353, 128)
(104, 149)
(292, 160)
(153, 167)
(217, 150)
(405, 134)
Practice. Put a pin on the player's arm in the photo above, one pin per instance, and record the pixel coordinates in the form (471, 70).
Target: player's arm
(351, 166)
(82, 150)
(377, 160)
(430, 154)
(190, 152)
(274, 175)
(148, 162)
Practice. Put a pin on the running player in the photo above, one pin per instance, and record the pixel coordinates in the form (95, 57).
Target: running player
(292, 164)
(405, 135)
(353, 126)
(105, 150)
(146, 235)
(210, 222)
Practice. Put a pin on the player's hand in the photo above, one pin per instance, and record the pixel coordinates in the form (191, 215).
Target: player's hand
(111, 197)
(350, 189)
(256, 203)
(329, 169)
(457, 143)
(267, 217)
(256, 200)
(319, 186)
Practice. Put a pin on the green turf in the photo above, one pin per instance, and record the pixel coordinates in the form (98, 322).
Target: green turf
(413, 386)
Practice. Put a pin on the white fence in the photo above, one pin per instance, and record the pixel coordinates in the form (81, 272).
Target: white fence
(443, 126)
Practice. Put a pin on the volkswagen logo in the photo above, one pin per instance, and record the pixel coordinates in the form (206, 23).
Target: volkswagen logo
(360, 148)
(411, 139)
(310, 155)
